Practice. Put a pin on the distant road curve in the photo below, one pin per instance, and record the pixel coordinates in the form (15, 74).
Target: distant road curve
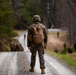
(56, 30)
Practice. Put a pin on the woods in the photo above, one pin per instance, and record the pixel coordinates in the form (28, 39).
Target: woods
(24, 10)
(6, 23)
(6, 20)
(17, 14)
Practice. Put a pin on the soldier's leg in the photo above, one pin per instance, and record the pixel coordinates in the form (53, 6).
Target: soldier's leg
(41, 57)
(33, 58)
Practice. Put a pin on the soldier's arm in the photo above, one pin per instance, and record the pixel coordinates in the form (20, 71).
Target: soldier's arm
(45, 36)
(28, 34)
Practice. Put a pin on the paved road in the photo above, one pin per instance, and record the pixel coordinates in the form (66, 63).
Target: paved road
(56, 30)
(17, 63)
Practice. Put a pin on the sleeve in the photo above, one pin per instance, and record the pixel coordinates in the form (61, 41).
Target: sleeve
(29, 43)
(45, 35)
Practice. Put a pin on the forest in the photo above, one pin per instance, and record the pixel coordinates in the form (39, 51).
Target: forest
(59, 19)
(17, 14)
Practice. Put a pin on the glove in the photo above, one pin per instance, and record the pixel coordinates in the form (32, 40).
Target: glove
(45, 45)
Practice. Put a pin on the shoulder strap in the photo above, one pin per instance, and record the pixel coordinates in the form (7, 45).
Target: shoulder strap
(35, 28)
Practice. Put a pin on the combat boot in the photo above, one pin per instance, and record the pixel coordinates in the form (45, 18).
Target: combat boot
(42, 71)
(31, 69)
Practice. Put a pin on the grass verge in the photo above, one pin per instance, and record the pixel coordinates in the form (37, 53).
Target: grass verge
(70, 61)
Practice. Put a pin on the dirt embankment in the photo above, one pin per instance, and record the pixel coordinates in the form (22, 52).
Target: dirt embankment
(55, 42)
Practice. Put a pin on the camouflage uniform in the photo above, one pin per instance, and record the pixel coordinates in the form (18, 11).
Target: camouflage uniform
(40, 50)
(37, 47)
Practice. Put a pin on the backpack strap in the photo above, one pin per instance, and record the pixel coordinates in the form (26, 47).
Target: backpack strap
(34, 27)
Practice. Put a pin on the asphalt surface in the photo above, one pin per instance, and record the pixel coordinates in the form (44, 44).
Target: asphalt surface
(18, 63)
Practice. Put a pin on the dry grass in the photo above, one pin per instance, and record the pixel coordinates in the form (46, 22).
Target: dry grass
(55, 42)
(20, 32)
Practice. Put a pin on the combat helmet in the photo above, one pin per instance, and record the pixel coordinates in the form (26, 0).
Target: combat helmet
(36, 18)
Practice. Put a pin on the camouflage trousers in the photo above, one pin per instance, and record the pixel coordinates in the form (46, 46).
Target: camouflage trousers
(40, 50)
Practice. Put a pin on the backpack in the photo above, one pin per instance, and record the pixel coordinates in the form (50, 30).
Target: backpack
(38, 35)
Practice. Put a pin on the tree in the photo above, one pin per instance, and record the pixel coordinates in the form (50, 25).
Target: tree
(31, 8)
(6, 20)
(24, 11)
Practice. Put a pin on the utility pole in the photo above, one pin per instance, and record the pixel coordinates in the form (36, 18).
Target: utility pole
(49, 14)
(70, 23)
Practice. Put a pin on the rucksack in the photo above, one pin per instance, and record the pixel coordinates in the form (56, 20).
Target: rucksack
(38, 35)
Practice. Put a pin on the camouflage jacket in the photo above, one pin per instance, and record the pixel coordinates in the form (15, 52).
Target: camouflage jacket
(30, 31)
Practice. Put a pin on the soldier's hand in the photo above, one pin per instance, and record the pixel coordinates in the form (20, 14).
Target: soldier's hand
(30, 49)
(45, 45)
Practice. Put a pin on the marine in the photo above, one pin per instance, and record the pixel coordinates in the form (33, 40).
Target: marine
(35, 47)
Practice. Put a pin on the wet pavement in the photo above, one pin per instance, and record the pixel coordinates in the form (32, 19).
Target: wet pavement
(18, 63)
